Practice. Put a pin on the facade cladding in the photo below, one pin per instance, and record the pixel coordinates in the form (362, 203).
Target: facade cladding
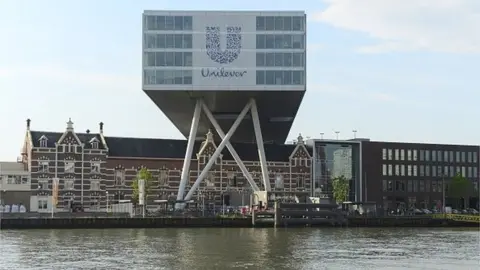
(92, 167)
(256, 48)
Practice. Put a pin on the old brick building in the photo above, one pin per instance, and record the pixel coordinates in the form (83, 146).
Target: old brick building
(92, 166)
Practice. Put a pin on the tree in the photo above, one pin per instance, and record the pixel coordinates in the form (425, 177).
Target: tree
(341, 188)
(146, 175)
(460, 187)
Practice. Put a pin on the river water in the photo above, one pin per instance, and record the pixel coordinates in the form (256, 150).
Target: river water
(191, 249)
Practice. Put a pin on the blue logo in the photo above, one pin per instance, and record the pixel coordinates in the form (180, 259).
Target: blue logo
(232, 49)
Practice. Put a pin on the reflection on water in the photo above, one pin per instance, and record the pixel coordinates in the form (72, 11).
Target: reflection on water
(241, 249)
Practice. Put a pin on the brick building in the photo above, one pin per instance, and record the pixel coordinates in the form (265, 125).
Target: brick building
(92, 166)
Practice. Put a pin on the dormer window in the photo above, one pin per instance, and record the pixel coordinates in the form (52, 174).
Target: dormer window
(94, 143)
(43, 141)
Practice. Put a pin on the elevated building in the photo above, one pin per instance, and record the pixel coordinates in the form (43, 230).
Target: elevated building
(241, 72)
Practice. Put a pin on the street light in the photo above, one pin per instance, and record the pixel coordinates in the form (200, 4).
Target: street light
(337, 132)
(106, 193)
(354, 133)
(321, 135)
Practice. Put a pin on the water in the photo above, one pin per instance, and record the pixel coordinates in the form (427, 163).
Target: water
(191, 249)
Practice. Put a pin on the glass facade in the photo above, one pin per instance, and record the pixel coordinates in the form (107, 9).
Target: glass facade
(334, 160)
(163, 23)
(281, 23)
(167, 41)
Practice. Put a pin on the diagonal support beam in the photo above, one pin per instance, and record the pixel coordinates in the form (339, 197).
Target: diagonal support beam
(261, 149)
(185, 177)
(230, 148)
(217, 152)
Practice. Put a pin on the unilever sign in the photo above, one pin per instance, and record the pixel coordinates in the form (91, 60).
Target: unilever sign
(223, 57)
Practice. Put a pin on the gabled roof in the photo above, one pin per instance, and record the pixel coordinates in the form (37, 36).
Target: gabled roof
(53, 138)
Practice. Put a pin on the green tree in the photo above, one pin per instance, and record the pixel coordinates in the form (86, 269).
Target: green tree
(341, 188)
(460, 187)
(147, 176)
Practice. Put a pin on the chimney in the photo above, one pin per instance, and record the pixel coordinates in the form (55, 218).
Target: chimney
(101, 127)
(28, 123)
(88, 131)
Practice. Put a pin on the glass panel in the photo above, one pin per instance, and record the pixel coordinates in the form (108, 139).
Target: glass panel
(178, 77)
(278, 59)
(169, 23)
(269, 23)
(150, 59)
(269, 41)
(178, 60)
(297, 41)
(260, 59)
(187, 23)
(159, 76)
(160, 59)
(187, 77)
(287, 23)
(150, 41)
(297, 77)
(260, 41)
(278, 41)
(297, 23)
(187, 59)
(178, 23)
(298, 59)
(187, 41)
(279, 23)
(169, 59)
(161, 42)
(260, 23)
(278, 77)
(170, 41)
(287, 42)
(270, 59)
(287, 59)
(287, 77)
(270, 77)
(178, 39)
(260, 77)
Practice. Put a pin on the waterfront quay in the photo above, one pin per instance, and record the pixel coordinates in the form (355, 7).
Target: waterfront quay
(218, 222)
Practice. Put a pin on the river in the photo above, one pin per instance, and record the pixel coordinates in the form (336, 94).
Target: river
(191, 249)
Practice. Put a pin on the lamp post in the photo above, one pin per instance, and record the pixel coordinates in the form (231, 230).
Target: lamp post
(354, 133)
(337, 132)
(106, 193)
(321, 135)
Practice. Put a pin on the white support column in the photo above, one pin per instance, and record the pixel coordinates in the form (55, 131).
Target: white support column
(189, 151)
(261, 149)
(217, 152)
(230, 148)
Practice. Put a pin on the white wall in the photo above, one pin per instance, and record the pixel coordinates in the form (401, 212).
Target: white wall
(34, 204)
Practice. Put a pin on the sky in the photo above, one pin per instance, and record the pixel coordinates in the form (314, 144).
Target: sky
(394, 70)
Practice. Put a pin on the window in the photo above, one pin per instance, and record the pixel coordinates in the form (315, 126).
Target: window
(119, 177)
(451, 156)
(68, 184)
(427, 155)
(427, 186)
(168, 77)
(402, 154)
(95, 185)
(452, 171)
(421, 186)
(434, 186)
(384, 154)
(439, 156)
(397, 170)
(434, 155)
(427, 170)
(415, 155)
(422, 155)
(409, 154)
(390, 169)
(445, 156)
(415, 186)
(384, 169)
(409, 185)
(95, 166)
(422, 170)
(163, 177)
(464, 171)
(387, 185)
(469, 172)
(400, 185)
(301, 181)
(286, 41)
(474, 157)
(15, 179)
(414, 170)
(43, 184)
(457, 156)
(463, 157)
(402, 170)
(475, 173)
(42, 203)
(409, 170)
(43, 141)
(445, 170)
(69, 166)
(43, 166)
(390, 154)
(168, 22)
(397, 154)
(434, 171)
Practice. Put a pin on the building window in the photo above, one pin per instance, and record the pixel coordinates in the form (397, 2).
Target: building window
(452, 171)
(95, 185)
(469, 172)
(434, 171)
(387, 185)
(427, 155)
(390, 169)
(434, 155)
(42, 203)
(301, 181)
(384, 169)
(402, 154)
(445, 170)
(119, 177)
(451, 156)
(422, 155)
(384, 154)
(163, 177)
(43, 166)
(422, 170)
(402, 170)
(463, 157)
(445, 156)
(397, 170)
(434, 186)
(440, 171)
(42, 184)
(400, 185)
(415, 155)
(474, 157)
(409, 154)
(390, 154)
(68, 184)
(410, 186)
(94, 144)
(439, 156)
(414, 170)
(95, 167)
(397, 154)
(69, 166)
(427, 185)
(43, 142)
(457, 156)
(15, 179)
(415, 186)
(421, 186)
(409, 170)
(464, 171)
(475, 173)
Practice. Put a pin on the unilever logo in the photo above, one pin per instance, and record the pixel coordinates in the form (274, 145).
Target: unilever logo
(227, 56)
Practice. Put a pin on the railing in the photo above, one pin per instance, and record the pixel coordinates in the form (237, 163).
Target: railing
(458, 217)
